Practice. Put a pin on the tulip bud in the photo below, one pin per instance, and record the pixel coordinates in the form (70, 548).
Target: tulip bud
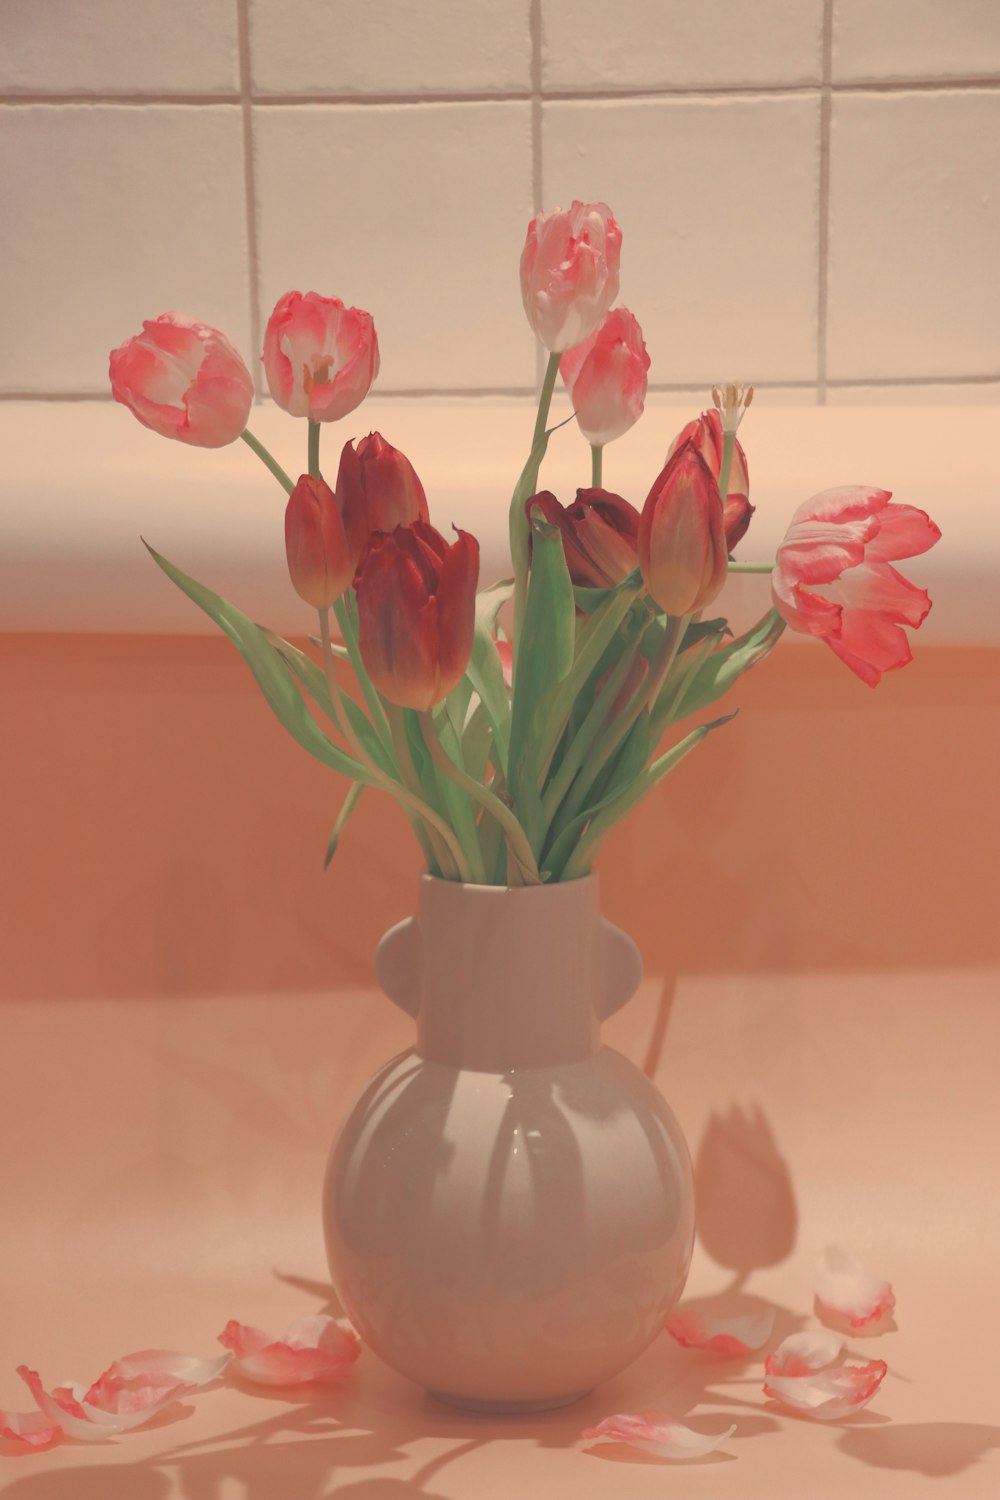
(599, 535)
(682, 543)
(417, 612)
(320, 561)
(183, 380)
(606, 377)
(377, 490)
(569, 272)
(320, 357)
(707, 435)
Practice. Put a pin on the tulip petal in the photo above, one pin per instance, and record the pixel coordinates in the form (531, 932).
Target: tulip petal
(31, 1428)
(656, 1432)
(736, 1336)
(844, 1289)
(149, 1378)
(809, 1374)
(804, 1353)
(314, 1348)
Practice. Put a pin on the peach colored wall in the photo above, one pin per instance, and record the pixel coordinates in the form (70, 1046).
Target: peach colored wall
(163, 835)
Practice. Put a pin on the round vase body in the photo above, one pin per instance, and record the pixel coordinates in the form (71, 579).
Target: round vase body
(509, 1207)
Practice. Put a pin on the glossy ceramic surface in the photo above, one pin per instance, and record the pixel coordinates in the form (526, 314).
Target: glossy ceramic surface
(508, 1205)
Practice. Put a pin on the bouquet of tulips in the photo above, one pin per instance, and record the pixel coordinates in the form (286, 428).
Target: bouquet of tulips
(516, 726)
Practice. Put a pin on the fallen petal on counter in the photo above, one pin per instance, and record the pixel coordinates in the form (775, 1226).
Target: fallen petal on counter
(32, 1428)
(721, 1335)
(809, 1374)
(316, 1348)
(655, 1432)
(845, 1290)
(151, 1378)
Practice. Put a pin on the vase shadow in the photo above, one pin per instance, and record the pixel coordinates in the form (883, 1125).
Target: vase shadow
(747, 1211)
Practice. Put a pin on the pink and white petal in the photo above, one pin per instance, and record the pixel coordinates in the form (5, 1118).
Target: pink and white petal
(314, 1348)
(877, 588)
(151, 1377)
(843, 505)
(805, 1353)
(837, 1391)
(844, 1289)
(734, 1336)
(243, 1340)
(803, 610)
(32, 1428)
(63, 1412)
(656, 1432)
(325, 1334)
(904, 531)
(870, 644)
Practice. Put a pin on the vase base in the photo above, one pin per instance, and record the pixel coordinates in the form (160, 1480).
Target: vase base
(507, 1408)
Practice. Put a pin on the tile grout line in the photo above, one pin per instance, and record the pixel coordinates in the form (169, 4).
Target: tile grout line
(823, 208)
(249, 188)
(535, 41)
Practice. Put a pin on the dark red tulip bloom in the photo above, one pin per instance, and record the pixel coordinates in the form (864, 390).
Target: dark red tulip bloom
(321, 561)
(377, 489)
(600, 533)
(417, 612)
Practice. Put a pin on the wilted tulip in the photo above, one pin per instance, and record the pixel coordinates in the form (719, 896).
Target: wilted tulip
(682, 543)
(606, 377)
(320, 357)
(599, 534)
(377, 489)
(321, 561)
(417, 612)
(183, 380)
(569, 272)
(833, 576)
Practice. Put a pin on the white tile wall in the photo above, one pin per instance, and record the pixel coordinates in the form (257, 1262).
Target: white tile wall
(914, 235)
(388, 47)
(651, 44)
(720, 290)
(113, 214)
(116, 46)
(915, 39)
(808, 188)
(415, 212)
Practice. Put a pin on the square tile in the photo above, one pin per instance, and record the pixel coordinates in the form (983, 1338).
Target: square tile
(717, 200)
(118, 213)
(647, 44)
(119, 46)
(914, 235)
(915, 39)
(415, 212)
(337, 47)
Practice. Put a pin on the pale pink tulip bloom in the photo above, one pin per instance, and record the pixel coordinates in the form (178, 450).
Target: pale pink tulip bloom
(316, 1348)
(809, 1373)
(606, 377)
(734, 1336)
(130, 1392)
(320, 357)
(183, 380)
(655, 1432)
(833, 576)
(569, 272)
(845, 1290)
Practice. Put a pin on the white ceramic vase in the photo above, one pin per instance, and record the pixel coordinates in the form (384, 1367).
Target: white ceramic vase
(509, 1206)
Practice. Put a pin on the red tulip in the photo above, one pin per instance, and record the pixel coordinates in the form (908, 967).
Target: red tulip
(321, 561)
(599, 535)
(606, 377)
(569, 272)
(706, 432)
(183, 380)
(320, 357)
(417, 612)
(377, 489)
(833, 576)
(682, 543)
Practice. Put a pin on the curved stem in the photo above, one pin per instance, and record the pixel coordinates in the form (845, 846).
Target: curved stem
(518, 520)
(313, 450)
(516, 836)
(596, 465)
(748, 567)
(268, 460)
(344, 610)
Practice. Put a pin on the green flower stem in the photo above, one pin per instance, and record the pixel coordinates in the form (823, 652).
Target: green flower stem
(596, 465)
(728, 446)
(742, 567)
(441, 849)
(344, 609)
(388, 783)
(314, 431)
(516, 836)
(271, 463)
(518, 520)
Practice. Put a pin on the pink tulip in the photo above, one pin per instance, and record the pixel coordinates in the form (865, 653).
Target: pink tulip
(569, 272)
(606, 377)
(183, 380)
(320, 357)
(682, 543)
(833, 576)
(321, 560)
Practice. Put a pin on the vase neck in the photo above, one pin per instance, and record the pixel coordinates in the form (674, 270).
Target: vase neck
(509, 977)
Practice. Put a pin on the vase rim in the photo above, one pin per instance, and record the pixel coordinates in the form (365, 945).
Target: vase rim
(582, 883)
